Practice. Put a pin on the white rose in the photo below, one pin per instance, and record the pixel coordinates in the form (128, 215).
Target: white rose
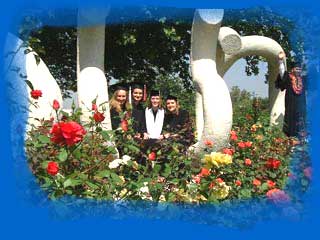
(115, 163)
(125, 159)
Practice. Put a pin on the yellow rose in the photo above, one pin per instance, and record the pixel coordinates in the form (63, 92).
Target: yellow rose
(216, 159)
(220, 191)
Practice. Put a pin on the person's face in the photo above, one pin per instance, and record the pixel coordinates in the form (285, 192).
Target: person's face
(297, 70)
(171, 105)
(137, 94)
(121, 96)
(155, 101)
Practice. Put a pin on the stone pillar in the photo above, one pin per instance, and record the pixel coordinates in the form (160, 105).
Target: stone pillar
(92, 83)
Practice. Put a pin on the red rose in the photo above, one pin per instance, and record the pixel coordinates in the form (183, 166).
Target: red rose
(208, 143)
(241, 144)
(56, 104)
(256, 182)
(94, 107)
(52, 168)
(273, 163)
(204, 172)
(98, 117)
(248, 144)
(219, 180)
(124, 125)
(152, 156)
(270, 183)
(232, 132)
(233, 136)
(238, 183)
(228, 151)
(247, 161)
(35, 94)
(67, 133)
(212, 184)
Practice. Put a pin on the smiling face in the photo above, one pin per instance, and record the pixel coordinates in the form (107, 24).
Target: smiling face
(155, 101)
(171, 105)
(137, 94)
(121, 96)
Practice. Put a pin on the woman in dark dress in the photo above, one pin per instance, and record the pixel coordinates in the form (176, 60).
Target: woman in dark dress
(138, 115)
(295, 100)
(177, 125)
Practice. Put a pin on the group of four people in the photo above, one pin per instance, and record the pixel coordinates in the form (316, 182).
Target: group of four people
(153, 123)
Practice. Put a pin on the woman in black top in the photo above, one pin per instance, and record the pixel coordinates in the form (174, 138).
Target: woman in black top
(177, 124)
(138, 115)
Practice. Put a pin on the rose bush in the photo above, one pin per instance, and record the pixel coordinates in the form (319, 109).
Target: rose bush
(73, 158)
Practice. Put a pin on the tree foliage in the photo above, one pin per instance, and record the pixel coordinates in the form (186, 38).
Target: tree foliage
(149, 51)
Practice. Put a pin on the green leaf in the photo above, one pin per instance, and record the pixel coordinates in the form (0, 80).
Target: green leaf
(272, 175)
(63, 155)
(264, 186)
(104, 173)
(105, 135)
(115, 178)
(77, 153)
(156, 168)
(44, 139)
(175, 181)
(72, 182)
(44, 164)
(133, 148)
(29, 84)
(28, 50)
(167, 170)
(245, 193)
(91, 185)
(171, 197)
(37, 58)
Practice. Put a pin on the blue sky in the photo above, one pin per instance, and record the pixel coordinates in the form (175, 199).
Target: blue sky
(236, 76)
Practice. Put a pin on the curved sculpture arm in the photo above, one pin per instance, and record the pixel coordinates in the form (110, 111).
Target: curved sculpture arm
(229, 40)
(254, 45)
(269, 49)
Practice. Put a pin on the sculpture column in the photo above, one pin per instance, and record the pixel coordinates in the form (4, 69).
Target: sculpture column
(92, 83)
(216, 102)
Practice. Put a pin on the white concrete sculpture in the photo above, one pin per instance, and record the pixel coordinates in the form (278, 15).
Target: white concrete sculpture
(214, 110)
(269, 49)
(92, 83)
(213, 51)
(21, 65)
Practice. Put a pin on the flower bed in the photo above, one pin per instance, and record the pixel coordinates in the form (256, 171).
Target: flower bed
(73, 159)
